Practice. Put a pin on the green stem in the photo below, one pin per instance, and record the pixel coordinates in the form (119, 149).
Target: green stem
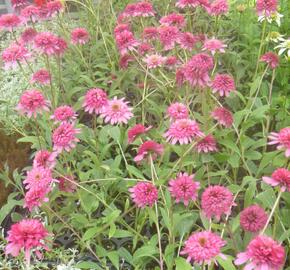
(261, 46)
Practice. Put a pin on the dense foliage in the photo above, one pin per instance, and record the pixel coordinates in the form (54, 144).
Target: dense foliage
(159, 135)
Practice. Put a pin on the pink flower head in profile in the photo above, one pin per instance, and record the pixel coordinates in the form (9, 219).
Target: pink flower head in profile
(144, 194)
(125, 60)
(223, 84)
(271, 58)
(280, 177)
(38, 176)
(45, 159)
(177, 111)
(197, 68)
(9, 21)
(49, 44)
(117, 111)
(64, 113)
(192, 3)
(67, 184)
(60, 46)
(144, 48)
(216, 201)
(149, 149)
(168, 36)
(64, 137)
(28, 35)
(266, 7)
(188, 41)
(203, 247)
(136, 131)
(262, 253)
(14, 54)
(27, 235)
(121, 28)
(214, 45)
(36, 196)
(173, 19)
(95, 100)
(54, 7)
(30, 13)
(183, 131)
(282, 138)
(223, 116)
(140, 9)
(171, 62)
(206, 145)
(184, 188)
(18, 4)
(42, 77)
(32, 102)
(126, 42)
(79, 36)
(253, 218)
(150, 33)
(154, 61)
(218, 7)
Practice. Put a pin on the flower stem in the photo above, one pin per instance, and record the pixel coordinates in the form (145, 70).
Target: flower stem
(261, 46)
(273, 211)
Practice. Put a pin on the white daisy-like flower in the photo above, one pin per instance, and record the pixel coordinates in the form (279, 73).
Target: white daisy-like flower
(275, 37)
(275, 17)
(284, 47)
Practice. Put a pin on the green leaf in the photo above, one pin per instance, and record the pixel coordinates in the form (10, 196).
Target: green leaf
(88, 265)
(226, 264)
(90, 233)
(182, 264)
(146, 251)
(134, 171)
(112, 229)
(114, 258)
(122, 234)
(7, 208)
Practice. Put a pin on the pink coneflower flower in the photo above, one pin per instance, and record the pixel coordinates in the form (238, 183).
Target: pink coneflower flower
(180, 76)
(125, 60)
(38, 176)
(36, 196)
(140, 9)
(119, 28)
(79, 36)
(136, 131)
(183, 131)
(149, 149)
(18, 4)
(30, 13)
(150, 33)
(154, 60)
(282, 138)
(184, 188)
(95, 100)
(177, 111)
(67, 184)
(60, 46)
(191, 3)
(144, 48)
(253, 218)
(64, 137)
(218, 7)
(64, 113)
(144, 194)
(45, 159)
(223, 84)
(223, 116)
(28, 35)
(216, 201)
(168, 36)
(262, 253)
(13, 55)
(280, 177)
(171, 62)
(32, 102)
(117, 111)
(42, 77)
(126, 42)
(266, 7)
(214, 45)
(26, 235)
(53, 8)
(206, 145)
(173, 19)
(197, 68)
(188, 40)
(203, 247)
(9, 21)
(271, 58)
(47, 43)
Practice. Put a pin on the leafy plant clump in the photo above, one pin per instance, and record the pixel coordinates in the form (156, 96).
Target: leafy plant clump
(159, 135)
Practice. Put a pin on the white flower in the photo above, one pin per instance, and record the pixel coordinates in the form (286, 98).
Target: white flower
(284, 47)
(274, 17)
(275, 37)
